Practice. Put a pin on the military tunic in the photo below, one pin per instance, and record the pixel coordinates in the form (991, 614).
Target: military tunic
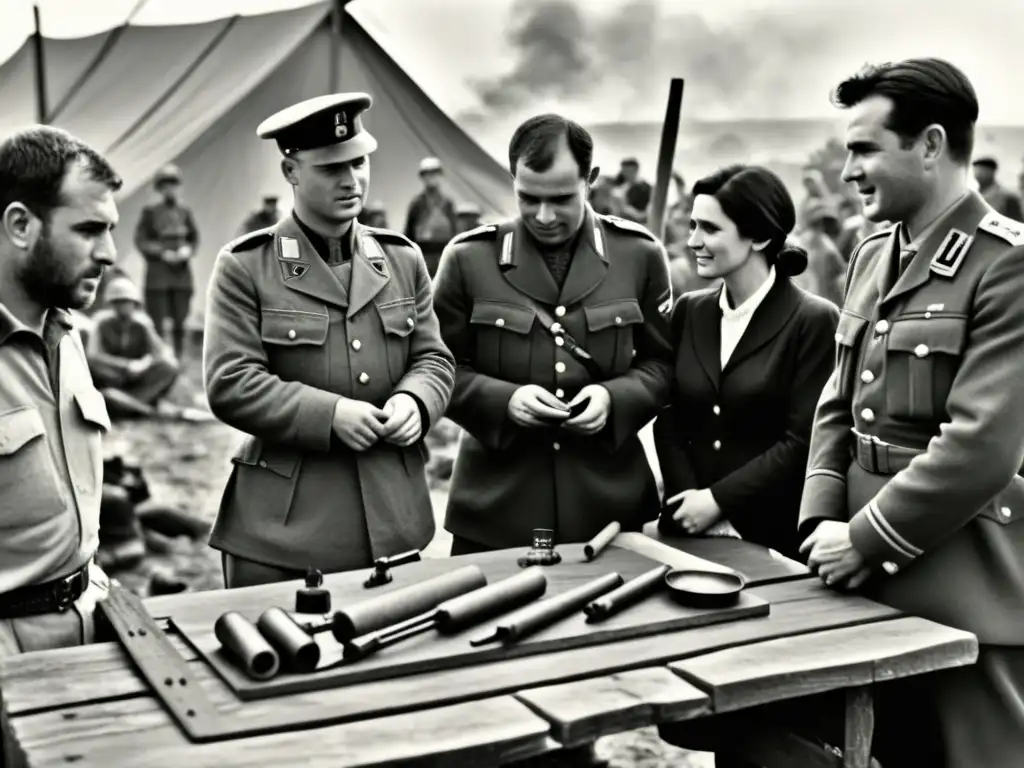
(284, 341)
(614, 301)
(917, 442)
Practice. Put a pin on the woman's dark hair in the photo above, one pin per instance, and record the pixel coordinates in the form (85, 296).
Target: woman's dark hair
(758, 203)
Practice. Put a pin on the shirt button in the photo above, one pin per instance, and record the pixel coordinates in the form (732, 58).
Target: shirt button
(291, 334)
(717, 445)
(560, 367)
(410, 322)
(921, 350)
(867, 414)
(867, 377)
(560, 311)
(500, 322)
(882, 326)
(716, 410)
(1005, 512)
(618, 321)
(556, 446)
(559, 341)
(356, 344)
(559, 393)
(364, 378)
(890, 567)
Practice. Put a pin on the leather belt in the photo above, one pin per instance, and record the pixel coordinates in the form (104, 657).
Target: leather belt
(52, 597)
(879, 457)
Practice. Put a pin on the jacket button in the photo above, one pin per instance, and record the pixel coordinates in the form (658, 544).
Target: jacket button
(717, 445)
(867, 414)
(364, 378)
(560, 367)
(410, 322)
(291, 334)
(890, 567)
(559, 341)
(882, 326)
(356, 344)
(559, 393)
(556, 446)
(921, 350)
(867, 377)
(716, 410)
(618, 321)
(263, 464)
(500, 322)
(559, 311)
(1005, 512)
(838, 336)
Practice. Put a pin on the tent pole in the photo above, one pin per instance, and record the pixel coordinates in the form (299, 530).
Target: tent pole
(40, 57)
(334, 73)
(666, 156)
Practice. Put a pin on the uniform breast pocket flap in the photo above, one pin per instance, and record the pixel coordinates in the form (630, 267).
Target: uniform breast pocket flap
(93, 408)
(610, 328)
(923, 356)
(398, 318)
(18, 428)
(613, 314)
(505, 317)
(293, 328)
(848, 335)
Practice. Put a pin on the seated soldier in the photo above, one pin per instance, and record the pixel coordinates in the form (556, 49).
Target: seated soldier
(130, 364)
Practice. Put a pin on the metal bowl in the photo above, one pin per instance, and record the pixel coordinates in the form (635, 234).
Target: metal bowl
(705, 589)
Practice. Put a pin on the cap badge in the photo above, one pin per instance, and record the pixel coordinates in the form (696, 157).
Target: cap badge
(340, 128)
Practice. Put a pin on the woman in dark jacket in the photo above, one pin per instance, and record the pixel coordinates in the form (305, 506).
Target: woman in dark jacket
(751, 358)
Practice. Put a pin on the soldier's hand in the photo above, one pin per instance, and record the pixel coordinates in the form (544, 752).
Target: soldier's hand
(185, 253)
(357, 424)
(534, 406)
(403, 425)
(831, 553)
(595, 415)
(170, 256)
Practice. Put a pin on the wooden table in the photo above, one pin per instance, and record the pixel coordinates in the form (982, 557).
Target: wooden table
(88, 707)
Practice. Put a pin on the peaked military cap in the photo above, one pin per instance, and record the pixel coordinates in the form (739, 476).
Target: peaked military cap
(327, 129)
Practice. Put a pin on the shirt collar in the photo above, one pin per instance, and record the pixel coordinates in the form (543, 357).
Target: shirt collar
(9, 324)
(751, 304)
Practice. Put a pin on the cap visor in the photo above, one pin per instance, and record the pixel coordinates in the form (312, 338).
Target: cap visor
(359, 146)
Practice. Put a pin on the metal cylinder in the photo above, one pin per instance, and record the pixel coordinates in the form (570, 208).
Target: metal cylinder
(481, 604)
(629, 593)
(297, 649)
(401, 604)
(243, 641)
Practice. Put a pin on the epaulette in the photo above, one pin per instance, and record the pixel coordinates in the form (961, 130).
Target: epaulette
(483, 232)
(1003, 227)
(629, 226)
(250, 240)
(856, 252)
(389, 236)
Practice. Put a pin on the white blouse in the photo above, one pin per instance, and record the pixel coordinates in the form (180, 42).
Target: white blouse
(735, 321)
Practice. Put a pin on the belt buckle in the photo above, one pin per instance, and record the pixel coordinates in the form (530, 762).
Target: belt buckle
(867, 451)
(63, 590)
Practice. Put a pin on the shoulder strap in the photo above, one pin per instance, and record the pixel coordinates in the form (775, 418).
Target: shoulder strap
(557, 331)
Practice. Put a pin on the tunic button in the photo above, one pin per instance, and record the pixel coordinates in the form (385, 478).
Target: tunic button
(839, 337)
(867, 377)
(716, 410)
(560, 311)
(559, 393)
(263, 464)
(882, 326)
(921, 350)
(291, 334)
(560, 367)
(867, 414)
(618, 321)
(559, 341)
(890, 567)
(1005, 512)
(364, 378)
(356, 344)
(410, 322)
(717, 445)
(500, 322)
(556, 446)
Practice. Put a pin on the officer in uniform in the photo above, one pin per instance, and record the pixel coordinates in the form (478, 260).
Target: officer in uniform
(999, 197)
(912, 489)
(323, 347)
(558, 308)
(266, 216)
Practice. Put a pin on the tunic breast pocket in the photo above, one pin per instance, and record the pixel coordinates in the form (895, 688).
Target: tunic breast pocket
(29, 489)
(848, 335)
(398, 319)
(294, 342)
(611, 334)
(501, 333)
(922, 358)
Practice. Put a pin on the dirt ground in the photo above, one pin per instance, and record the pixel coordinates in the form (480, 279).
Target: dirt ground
(186, 465)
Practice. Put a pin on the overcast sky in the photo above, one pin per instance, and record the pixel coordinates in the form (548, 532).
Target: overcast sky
(611, 60)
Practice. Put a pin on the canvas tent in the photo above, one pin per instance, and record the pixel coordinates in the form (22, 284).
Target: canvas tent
(194, 94)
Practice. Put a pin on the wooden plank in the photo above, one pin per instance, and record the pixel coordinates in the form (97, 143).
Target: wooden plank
(859, 728)
(583, 711)
(478, 733)
(758, 564)
(71, 712)
(821, 661)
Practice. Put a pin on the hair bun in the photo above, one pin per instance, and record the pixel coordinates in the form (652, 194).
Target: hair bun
(791, 261)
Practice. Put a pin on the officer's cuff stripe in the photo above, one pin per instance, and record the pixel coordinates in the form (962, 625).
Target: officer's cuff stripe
(893, 539)
(827, 473)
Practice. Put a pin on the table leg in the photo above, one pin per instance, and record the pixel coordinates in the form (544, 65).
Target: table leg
(860, 727)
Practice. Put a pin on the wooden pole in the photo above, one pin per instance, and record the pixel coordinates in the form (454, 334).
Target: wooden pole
(37, 40)
(666, 156)
(334, 73)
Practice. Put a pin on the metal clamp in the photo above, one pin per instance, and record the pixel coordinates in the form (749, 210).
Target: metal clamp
(381, 567)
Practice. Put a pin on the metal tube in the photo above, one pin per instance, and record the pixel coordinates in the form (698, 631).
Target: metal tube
(298, 649)
(244, 642)
(629, 593)
(596, 545)
(479, 605)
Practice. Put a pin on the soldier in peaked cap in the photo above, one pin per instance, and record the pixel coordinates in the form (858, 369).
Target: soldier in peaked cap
(912, 489)
(1001, 199)
(323, 347)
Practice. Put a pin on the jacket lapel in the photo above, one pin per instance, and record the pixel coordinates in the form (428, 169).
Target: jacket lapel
(524, 267)
(767, 321)
(302, 269)
(964, 218)
(589, 262)
(707, 336)
(370, 272)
